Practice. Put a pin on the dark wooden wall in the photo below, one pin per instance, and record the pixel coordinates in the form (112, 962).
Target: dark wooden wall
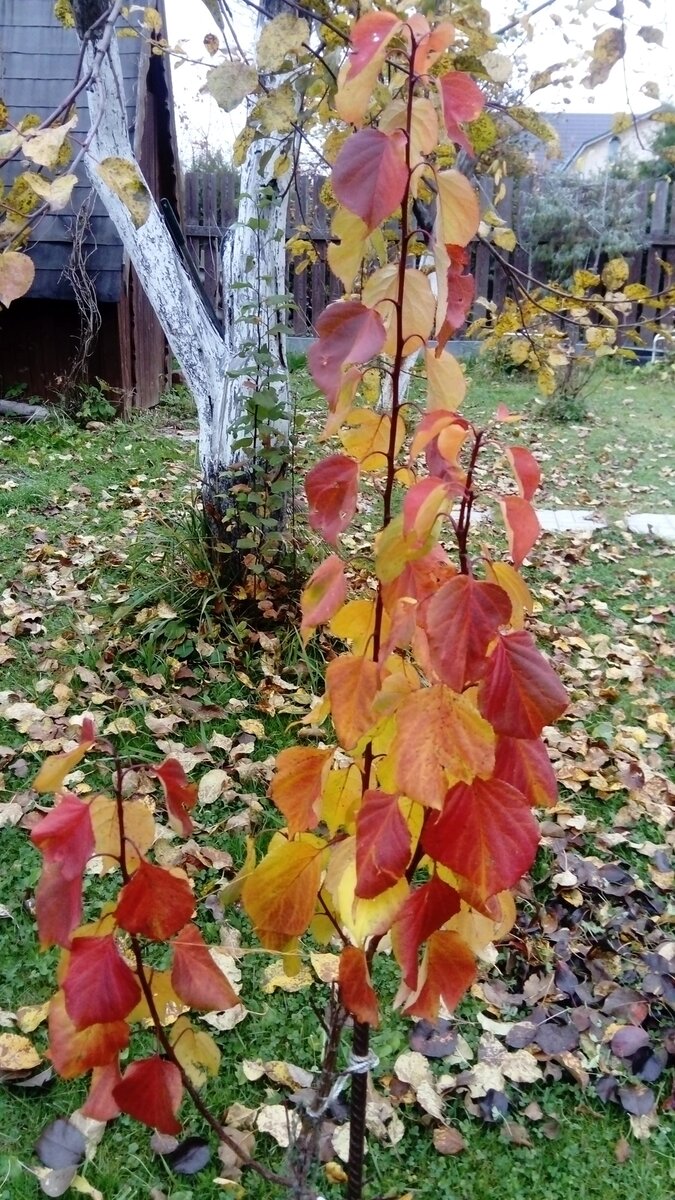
(38, 339)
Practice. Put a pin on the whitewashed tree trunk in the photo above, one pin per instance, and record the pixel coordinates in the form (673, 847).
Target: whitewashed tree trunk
(217, 366)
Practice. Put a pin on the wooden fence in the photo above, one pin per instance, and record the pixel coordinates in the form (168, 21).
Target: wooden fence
(210, 208)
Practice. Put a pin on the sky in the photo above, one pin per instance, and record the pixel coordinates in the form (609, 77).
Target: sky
(563, 32)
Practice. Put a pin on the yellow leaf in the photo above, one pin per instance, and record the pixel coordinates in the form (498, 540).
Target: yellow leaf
(340, 798)
(44, 146)
(360, 918)
(195, 1050)
(280, 40)
(459, 215)
(169, 1006)
(346, 253)
(505, 239)
(368, 436)
(54, 769)
(139, 831)
(446, 382)
(277, 112)
(17, 1053)
(280, 894)
(615, 273)
(608, 48)
(56, 193)
(419, 306)
(507, 577)
(230, 83)
(29, 1016)
(125, 181)
(355, 623)
(275, 978)
(16, 276)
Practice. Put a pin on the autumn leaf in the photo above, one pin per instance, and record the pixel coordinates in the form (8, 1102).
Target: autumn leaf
(155, 903)
(323, 595)
(125, 180)
(463, 618)
(525, 469)
(99, 986)
(383, 844)
(195, 977)
(426, 909)
(367, 50)
(281, 39)
(151, 1091)
(297, 785)
(74, 1052)
(459, 215)
(348, 332)
(17, 273)
(356, 990)
(525, 765)
(195, 1050)
(370, 175)
(485, 832)
(608, 49)
(520, 693)
(280, 894)
(58, 905)
(441, 739)
(461, 100)
(332, 491)
(180, 795)
(65, 836)
(230, 82)
(522, 526)
(352, 683)
(100, 1104)
(447, 972)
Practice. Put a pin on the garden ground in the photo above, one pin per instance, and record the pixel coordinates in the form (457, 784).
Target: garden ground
(109, 607)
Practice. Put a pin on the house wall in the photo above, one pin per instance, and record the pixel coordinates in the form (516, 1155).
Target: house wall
(634, 147)
(38, 339)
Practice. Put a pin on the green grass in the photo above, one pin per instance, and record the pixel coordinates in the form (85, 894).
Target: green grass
(86, 520)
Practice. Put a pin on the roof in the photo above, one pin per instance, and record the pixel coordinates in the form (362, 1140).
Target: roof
(578, 130)
(38, 67)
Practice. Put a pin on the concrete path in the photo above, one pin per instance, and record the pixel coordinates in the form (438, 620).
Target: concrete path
(581, 520)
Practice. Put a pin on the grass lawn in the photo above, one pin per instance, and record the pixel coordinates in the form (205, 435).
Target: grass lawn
(107, 605)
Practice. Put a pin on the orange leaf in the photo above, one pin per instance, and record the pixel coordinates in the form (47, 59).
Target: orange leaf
(441, 739)
(297, 785)
(180, 794)
(74, 1052)
(99, 985)
(352, 684)
(526, 470)
(195, 976)
(356, 990)
(280, 894)
(522, 526)
(368, 47)
(53, 771)
(463, 618)
(520, 692)
(425, 910)
(383, 844)
(447, 972)
(325, 593)
(155, 903)
(486, 833)
(151, 1091)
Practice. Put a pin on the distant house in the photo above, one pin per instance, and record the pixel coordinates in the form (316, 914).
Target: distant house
(39, 334)
(590, 142)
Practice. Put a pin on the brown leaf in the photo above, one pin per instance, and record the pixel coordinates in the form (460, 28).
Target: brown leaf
(448, 1140)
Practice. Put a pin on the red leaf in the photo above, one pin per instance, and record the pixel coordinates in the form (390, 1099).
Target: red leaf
(425, 910)
(73, 1051)
(348, 333)
(383, 844)
(526, 470)
(58, 906)
(323, 595)
(370, 174)
(151, 1091)
(448, 970)
(66, 836)
(332, 490)
(527, 767)
(195, 977)
(520, 692)
(462, 100)
(180, 795)
(369, 39)
(356, 990)
(522, 526)
(462, 619)
(297, 785)
(155, 903)
(441, 738)
(100, 1104)
(99, 986)
(485, 833)
(460, 291)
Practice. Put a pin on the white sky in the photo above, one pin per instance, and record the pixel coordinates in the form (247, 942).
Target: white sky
(579, 21)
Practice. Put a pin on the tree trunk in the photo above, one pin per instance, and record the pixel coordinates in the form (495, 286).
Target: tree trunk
(226, 372)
